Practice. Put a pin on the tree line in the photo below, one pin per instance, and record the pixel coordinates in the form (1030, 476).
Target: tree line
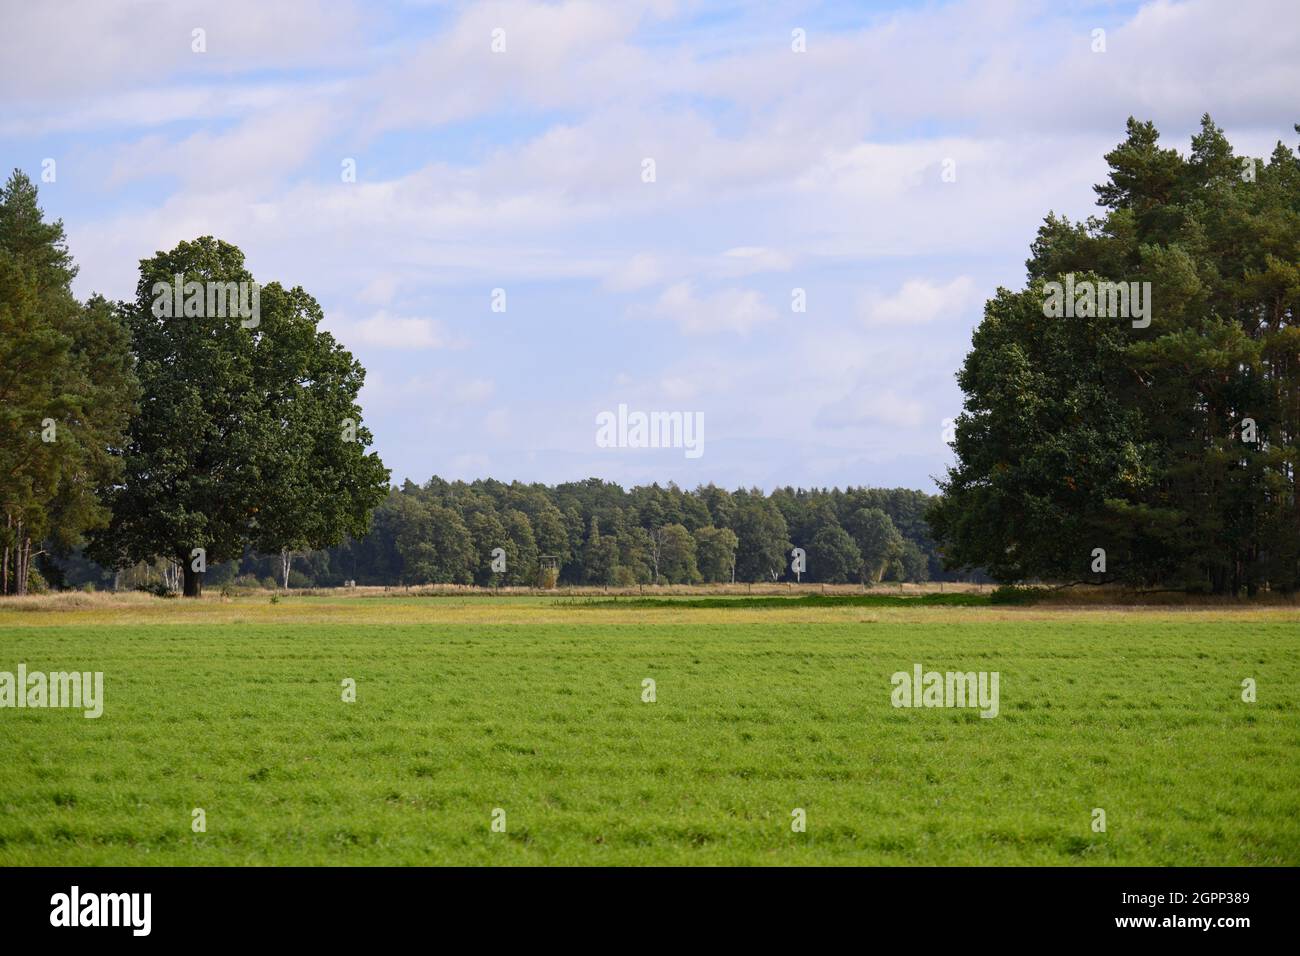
(597, 533)
(593, 532)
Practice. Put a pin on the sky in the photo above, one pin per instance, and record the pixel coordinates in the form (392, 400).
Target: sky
(885, 163)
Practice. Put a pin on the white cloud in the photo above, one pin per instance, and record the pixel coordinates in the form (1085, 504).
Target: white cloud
(379, 290)
(867, 405)
(728, 310)
(636, 273)
(826, 166)
(920, 301)
(678, 388)
(259, 151)
(105, 48)
(748, 260)
(386, 331)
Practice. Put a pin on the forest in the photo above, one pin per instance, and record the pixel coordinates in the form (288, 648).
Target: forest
(445, 532)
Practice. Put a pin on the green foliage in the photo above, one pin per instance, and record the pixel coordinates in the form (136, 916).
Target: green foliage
(66, 390)
(604, 535)
(838, 559)
(1088, 433)
(915, 564)
(242, 438)
(677, 555)
(877, 540)
(764, 551)
(715, 550)
(1015, 595)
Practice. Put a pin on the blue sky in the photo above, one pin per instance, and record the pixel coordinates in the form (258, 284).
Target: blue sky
(522, 170)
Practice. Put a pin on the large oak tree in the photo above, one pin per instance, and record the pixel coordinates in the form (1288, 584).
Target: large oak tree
(249, 435)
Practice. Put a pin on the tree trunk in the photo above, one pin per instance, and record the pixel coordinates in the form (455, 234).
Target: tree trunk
(193, 581)
(286, 561)
(20, 564)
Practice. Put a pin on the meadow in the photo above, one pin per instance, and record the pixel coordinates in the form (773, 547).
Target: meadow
(533, 706)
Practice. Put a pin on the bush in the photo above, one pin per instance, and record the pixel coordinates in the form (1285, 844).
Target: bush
(1014, 594)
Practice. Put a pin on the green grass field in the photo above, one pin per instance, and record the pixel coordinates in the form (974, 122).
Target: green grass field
(467, 705)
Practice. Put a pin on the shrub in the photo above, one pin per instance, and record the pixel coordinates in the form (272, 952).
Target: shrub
(1014, 594)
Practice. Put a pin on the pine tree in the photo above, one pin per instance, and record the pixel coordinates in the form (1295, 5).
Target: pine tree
(1169, 450)
(66, 390)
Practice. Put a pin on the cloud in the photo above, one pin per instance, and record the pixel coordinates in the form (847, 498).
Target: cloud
(379, 290)
(386, 331)
(678, 388)
(636, 273)
(259, 150)
(728, 310)
(867, 405)
(920, 301)
(748, 260)
(522, 170)
(105, 49)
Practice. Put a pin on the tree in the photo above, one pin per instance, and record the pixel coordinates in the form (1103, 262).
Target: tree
(720, 503)
(435, 545)
(654, 543)
(677, 558)
(1165, 450)
(715, 550)
(488, 534)
(878, 542)
(521, 549)
(66, 389)
(593, 526)
(764, 545)
(599, 556)
(633, 548)
(249, 434)
(916, 567)
(833, 557)
(551, 533)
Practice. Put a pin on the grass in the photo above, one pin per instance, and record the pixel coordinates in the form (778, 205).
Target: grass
(467, 705)
(804, 600)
